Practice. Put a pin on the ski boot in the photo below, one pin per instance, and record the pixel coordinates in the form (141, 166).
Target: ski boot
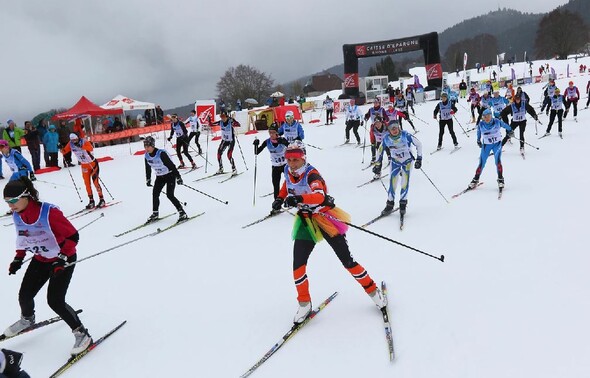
(90, 204)
(181, 165)
(82, 340)
(194, 166)
(181, 216)
(347, 141)
(101, 202)
(154, 217)
(20, 325)
(388, 208)
(500, 182)
(402, 207)
(377, 297)
(438, 148)
(302, 312)
(220, 170)
(234, 171)
(473, 183)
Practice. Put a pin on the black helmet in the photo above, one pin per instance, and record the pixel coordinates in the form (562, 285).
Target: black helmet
(223, 113)
(273, 127)
(149, 141)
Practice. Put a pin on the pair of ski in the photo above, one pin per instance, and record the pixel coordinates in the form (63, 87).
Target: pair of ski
(73, 359)
(297, 327)
(84, 212)
(219, 174)
(380, 216)
(142, 225)
(372, 180)
(500, 190)
(442, 148)
(272, 214)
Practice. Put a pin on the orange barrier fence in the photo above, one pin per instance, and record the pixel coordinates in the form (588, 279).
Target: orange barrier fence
(129, 132)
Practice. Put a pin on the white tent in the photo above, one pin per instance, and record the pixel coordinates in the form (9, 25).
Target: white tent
(127, 104)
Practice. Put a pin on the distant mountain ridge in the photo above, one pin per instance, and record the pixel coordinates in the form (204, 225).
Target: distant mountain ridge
(514, 30)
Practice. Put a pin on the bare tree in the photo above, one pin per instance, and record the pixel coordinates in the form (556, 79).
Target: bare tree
(560, 33)
(243, 82)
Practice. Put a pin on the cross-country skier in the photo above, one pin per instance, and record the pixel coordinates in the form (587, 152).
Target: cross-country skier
(399, 143)
(557, 102)
(378, 132)
(354, 118)
(446, 109)
(194, 123)
(291, 129)
(317, 218)
(166, 174)
(329, 105)
(474, 100)
(43, 230)
(19, 166)
(498, 104)
(572, 95)
(276, 147)
(376, 109)
(523, 95)
(401, 106)
(177, 128)
(228, 139)
(549, 91)
(485, 103)
(90, 170)
(489, 139)
(518, 109)
(410, 98)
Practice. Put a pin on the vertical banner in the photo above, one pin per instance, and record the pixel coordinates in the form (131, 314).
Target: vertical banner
(464, 64)
(568, 70)
(513, 75)
(524, 66)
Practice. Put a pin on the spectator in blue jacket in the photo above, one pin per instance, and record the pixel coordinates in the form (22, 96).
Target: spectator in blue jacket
(50, 141)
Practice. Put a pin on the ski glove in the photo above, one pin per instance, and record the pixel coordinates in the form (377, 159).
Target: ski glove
(256, 142)
(277, 203)
(169, 139)
(59, 265)
(362, 123)
(179, 181)
(15, 265)
(511, 134)
(418, 163)
(148, 182)
(292, 201)
(479, 143)
(32, 176)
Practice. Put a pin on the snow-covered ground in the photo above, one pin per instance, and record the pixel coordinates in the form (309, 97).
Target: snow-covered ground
(208, 299)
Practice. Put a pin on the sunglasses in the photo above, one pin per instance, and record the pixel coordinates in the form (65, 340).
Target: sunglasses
(14, 200)
(289, 117)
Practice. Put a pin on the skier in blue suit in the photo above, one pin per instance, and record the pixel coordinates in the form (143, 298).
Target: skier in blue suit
(489, 139)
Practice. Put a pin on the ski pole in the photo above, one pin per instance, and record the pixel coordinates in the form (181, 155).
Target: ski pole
(461, 126)
(364, 144)
(536, 131)
(107, 189)
(184, 203)
(255, 170)
(89, 223)
(311, 145)
(420, 119)
(525, 142)
(112, 248)
(72, 177)
(54, 184)
(435, 187)
(207, 148)
(205, 194)
(441, 258)
(241, 153)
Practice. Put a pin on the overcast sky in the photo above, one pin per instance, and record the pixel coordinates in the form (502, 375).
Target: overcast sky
(174, 52)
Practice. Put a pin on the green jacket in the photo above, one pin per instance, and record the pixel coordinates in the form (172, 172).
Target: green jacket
(15, 141)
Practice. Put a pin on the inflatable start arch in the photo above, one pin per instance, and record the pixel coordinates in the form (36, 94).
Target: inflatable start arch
(428, 43)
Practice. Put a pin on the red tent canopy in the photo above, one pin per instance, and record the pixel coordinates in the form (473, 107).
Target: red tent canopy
(85, 107)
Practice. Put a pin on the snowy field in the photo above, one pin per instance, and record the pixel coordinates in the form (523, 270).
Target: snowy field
(208, 299)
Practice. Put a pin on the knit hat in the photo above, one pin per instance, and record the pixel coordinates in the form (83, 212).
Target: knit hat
(3, 143)
(73, 136)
